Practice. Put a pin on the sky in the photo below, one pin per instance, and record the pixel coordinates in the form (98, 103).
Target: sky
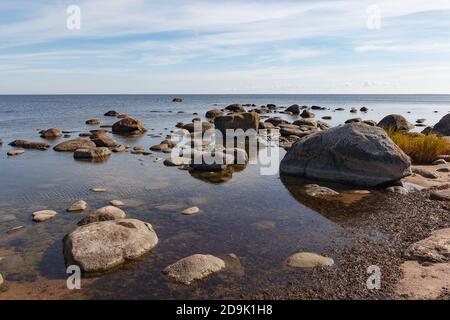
(229, 47)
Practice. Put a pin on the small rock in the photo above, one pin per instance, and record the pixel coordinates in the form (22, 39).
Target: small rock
(17, 152)
(116, 203)
(80, 205)
(43, 215)
(425, 173)
(439, 162)
(177, 161)
(94, 153)
(51, 133)
(314, 190)
(195, 267)
(1, 280)
(16, 229)
(120, 148)
(190, 211)
(308, 260)
(96, 189)
(397, 189)
(29, 145)
(92, 122)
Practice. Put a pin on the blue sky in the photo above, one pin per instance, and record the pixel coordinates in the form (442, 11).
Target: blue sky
(137, 46)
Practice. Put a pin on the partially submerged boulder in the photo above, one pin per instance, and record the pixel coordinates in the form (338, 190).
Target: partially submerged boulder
(51, 133)
(129, 126)
(244, 121)
(355, 154)
(72, 145)
(395, 122)
(103, 214)
(92, 153)
(104, 245)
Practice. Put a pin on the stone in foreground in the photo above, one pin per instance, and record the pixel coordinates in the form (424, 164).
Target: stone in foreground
(103, 214)
(354, 154)
(100, 246)
(308, 260)
(195, 267)
(435, 248)
(423, 282)
(43, 215)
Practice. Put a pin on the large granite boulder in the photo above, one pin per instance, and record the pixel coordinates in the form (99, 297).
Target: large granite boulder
(355, 154)
(100, 246)
(443, 126)
(244, 121)
(395, 122)
(72, 145)
(129, 126)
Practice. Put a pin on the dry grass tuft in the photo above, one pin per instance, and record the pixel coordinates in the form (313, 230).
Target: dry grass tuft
(423, 149)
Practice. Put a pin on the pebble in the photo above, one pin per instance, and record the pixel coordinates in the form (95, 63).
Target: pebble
(96, 189)
(308, 260)
(16, 229)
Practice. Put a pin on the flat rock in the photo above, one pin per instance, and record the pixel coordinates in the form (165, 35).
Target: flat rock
(80, 205)
(435, 248)
(72, 145)
(423, 282)
(195, 267)
(17, 152)
(425, 173)
(308, 260)
(314, 190)
(177, 161)
(440, 195)
(104, 245)
(103, 214)
(43, 215)
(29, 145)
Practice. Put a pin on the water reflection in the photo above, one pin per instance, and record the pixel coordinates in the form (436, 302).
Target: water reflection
(217, 177)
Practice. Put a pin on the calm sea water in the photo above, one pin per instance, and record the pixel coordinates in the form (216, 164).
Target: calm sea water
(242, 212)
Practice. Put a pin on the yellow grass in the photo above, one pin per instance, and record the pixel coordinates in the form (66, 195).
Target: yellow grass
(423, 149)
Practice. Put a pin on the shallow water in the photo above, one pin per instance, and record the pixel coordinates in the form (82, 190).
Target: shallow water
(243, 212)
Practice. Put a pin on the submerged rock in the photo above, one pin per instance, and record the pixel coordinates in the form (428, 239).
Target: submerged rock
(93, 122)
(314, 190)
(43, 215)
(93, 153)
(308, 260)
(80, 205)
(355, 154)
(195, 267)
(103, 214)
(72, 145)
(51, 133)
(29, 145)
(104, 245)
(116, 203)
(395, 122)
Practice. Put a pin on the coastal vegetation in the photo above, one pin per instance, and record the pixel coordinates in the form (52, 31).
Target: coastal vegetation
(423, 149)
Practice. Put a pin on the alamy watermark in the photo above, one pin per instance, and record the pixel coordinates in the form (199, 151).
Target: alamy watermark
(374, 280)
(74, 279)
(73, 21)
